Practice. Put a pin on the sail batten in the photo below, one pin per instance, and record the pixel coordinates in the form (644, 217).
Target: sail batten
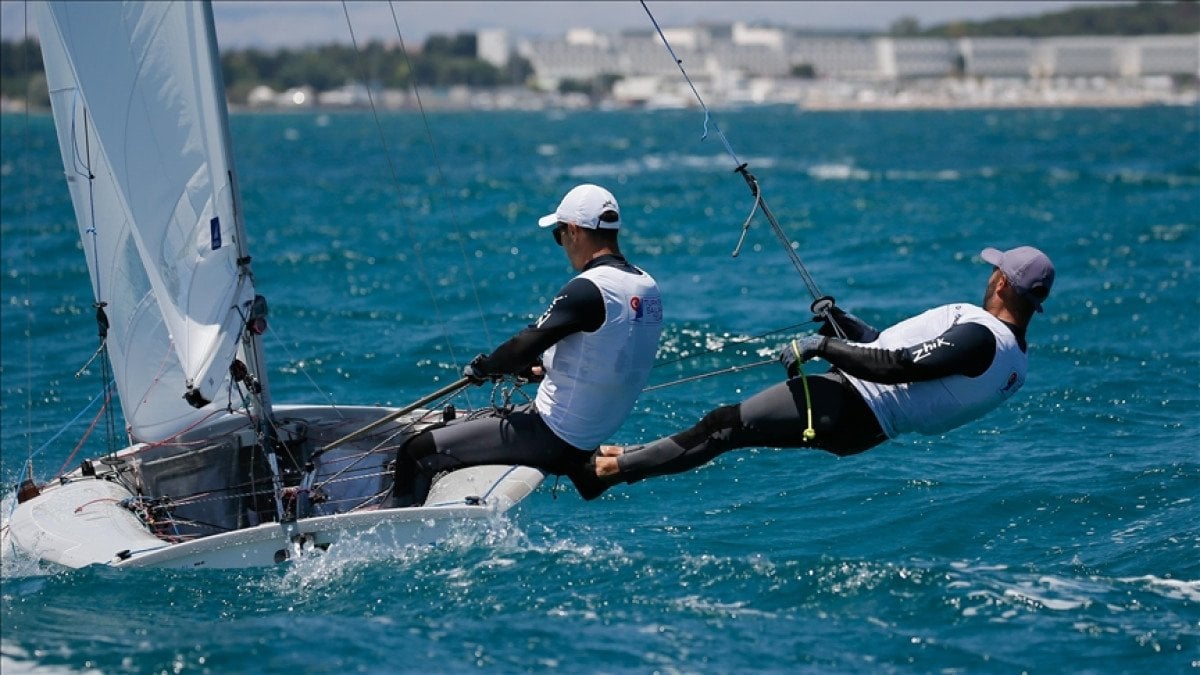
(140, 128)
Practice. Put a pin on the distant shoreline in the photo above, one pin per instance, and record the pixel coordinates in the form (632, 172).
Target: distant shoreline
(818, 96)
(8, 109)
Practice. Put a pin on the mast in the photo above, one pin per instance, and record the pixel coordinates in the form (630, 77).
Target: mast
(254, 375)
(255, 315)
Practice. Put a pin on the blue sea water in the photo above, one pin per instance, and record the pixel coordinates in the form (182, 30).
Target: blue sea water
(1060, 533)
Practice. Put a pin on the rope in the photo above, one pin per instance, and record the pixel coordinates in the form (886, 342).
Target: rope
(809, 432)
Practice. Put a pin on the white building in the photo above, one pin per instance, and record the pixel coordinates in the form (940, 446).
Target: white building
(749, 36)
(1078, 57)
(997, 56)
(1157, 55)
(494, 46)
(851, 58)
(729, 58)
(907, 58)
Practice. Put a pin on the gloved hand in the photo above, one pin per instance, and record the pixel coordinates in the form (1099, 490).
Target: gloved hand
(796, 352)
(855, 328)
(474, 370)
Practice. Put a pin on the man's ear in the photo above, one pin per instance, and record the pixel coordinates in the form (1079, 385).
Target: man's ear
(1001, 281)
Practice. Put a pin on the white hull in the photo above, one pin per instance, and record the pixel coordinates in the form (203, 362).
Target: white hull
(156, 202)
(80, 524)
(81, 521)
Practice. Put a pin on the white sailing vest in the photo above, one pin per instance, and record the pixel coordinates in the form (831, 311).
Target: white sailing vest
(592, 379)
(939, 405)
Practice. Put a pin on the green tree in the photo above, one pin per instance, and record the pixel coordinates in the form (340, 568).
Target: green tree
(905, 25)
(21, 69)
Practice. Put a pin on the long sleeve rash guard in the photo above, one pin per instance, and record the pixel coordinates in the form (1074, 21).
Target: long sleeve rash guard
(577, 307)
(965, 349)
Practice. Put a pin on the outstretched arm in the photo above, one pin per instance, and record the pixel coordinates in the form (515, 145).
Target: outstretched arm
(577, 307)
(965, 349)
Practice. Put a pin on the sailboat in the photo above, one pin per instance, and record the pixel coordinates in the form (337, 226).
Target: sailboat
(215, 475)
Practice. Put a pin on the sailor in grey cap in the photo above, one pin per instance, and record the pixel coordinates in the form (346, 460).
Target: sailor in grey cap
(927, 374)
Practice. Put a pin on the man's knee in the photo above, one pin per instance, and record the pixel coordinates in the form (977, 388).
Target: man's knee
(420, 446)
(421, 451)
(726, 417)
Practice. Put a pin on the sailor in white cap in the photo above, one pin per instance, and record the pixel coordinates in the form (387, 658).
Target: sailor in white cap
(927, 374)
(591, 351)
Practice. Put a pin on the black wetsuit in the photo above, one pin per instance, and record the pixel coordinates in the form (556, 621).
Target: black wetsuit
(844, 424)
(517, 436)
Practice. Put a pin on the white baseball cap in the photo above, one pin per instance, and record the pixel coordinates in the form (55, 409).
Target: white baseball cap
(584, 205)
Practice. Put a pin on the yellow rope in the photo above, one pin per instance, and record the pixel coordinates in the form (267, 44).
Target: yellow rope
(810, 433)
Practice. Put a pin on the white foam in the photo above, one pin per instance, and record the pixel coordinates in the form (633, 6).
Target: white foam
(1175, 589)
(838, 172)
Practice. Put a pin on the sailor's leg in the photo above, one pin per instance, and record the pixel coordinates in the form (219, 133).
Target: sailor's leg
(712, 435)
(775, 417)
(769, 418)
(842, 421)
(519, 437)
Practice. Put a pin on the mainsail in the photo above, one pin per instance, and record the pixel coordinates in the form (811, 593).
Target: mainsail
(141, 128)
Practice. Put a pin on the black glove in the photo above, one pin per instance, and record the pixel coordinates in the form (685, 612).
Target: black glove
(856, 329)
(796, 352)
(475, 372)
(535, 372)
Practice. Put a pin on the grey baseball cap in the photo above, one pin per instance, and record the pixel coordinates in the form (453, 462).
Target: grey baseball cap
(1027, 269)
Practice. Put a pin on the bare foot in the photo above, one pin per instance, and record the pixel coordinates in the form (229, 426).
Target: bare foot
(607, 466)
(611, 450)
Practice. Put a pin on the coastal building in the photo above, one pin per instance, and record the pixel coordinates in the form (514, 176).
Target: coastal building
(997, 56)
(912, 58)
(1161, 55)
(1077, 57)
(840, 57)
(493, 45)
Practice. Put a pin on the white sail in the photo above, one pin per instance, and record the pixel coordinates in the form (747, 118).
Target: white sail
(140, 124)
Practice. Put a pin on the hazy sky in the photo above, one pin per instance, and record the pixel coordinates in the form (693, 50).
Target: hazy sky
(242, 23)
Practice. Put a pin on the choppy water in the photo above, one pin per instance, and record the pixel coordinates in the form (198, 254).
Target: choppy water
(1059, 533)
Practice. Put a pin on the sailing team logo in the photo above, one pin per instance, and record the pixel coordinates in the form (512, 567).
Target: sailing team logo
(649, 308)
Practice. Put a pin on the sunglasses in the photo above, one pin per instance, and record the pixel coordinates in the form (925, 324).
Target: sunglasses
(558, 232)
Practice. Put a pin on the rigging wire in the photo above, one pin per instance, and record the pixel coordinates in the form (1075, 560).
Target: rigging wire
(414, 246)
(712, 373)
(437, 162)
(25, 68)
(299, 366)
(822, 304)
(735, 341)
(721, 371)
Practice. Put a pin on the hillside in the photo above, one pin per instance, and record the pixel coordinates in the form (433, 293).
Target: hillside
(1141, 18)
